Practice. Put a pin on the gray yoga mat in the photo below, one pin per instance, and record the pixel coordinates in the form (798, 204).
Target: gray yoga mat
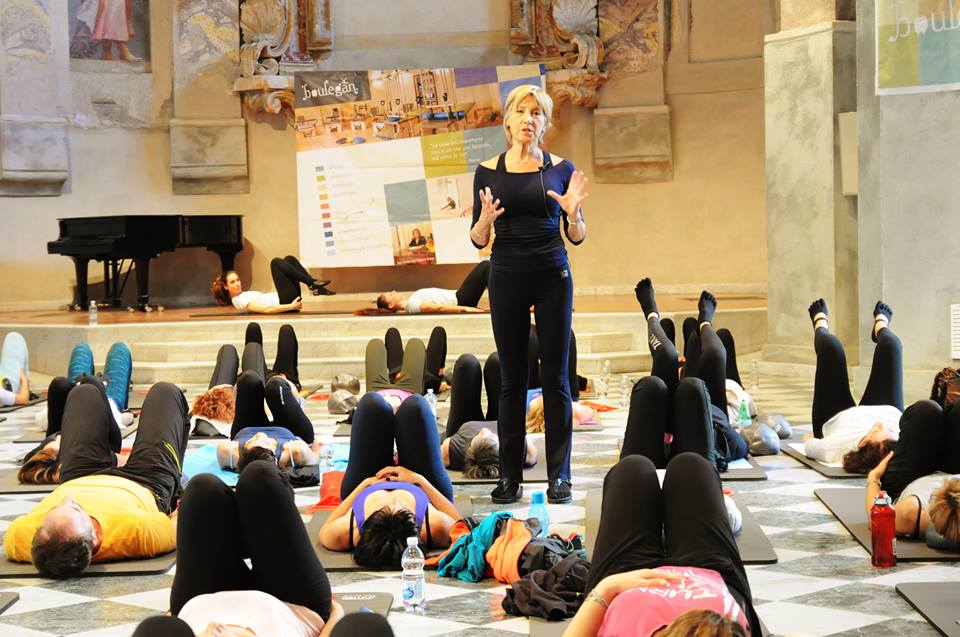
(151, 566)
(848, 505)
(343, 560)
(378, 603)
(7, 600)
(938, 602)
(9, 484)
(752, 542)
(35, 401)
(819, 467)
(536, 473)
(36, 437)
(754, 472)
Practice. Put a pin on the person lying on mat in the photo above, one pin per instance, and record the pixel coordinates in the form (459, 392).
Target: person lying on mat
(438, 300)
(214, 410)
(284, 590)
(41, 464)
(843, 431)
(287, 441)
(652, 397)
(101, 512)
(471, 442)
(14, 370)
(287, 273)
(923, 475)
(383, 502)
(435, 359)
(661, 566)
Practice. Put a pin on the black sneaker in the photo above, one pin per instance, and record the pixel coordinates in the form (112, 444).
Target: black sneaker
(559, 492)
(508, 491)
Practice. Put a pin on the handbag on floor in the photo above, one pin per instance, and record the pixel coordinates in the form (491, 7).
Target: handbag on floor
(946, 387)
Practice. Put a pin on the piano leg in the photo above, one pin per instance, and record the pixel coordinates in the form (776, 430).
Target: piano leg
(227, 258)
(143, 281)
(80, 264)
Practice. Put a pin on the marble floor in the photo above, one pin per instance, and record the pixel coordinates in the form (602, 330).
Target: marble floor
(823, 583)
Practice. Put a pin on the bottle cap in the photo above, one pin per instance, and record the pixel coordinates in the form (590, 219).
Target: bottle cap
(413, 541)
(537, 497)
(430, 391)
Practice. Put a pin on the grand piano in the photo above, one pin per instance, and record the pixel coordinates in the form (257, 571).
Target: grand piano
(140, 238)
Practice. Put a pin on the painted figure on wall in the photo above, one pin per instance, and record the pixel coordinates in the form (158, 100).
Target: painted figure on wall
(109, 29)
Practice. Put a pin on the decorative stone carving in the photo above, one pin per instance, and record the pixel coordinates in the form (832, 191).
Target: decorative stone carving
(268, 27)
(632, 34)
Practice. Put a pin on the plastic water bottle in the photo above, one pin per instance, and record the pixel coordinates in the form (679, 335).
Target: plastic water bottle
(883, 533)
(326, 458)
(624, 391)
(92, 313)
(604, 385)
(411, 579)
(432, 401)
(754, 374)
(538, 509)
(743, 419)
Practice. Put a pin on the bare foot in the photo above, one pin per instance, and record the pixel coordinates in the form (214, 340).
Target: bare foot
(106, 49)
(125, 53)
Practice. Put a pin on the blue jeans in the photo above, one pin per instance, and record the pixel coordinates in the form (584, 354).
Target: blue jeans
(14, 357)
(118, 367)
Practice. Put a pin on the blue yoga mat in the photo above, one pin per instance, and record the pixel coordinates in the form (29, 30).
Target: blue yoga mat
(204, 460)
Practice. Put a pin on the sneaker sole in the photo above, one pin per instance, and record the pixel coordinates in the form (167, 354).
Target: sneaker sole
(566, 500)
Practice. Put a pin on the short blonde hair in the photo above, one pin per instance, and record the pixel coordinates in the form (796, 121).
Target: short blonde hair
(944, 510)
(520, 93)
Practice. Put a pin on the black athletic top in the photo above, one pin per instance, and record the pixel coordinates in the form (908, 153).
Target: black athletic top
(461, 440)
(528, 231)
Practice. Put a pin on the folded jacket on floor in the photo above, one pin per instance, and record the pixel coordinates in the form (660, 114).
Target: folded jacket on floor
(553, 595)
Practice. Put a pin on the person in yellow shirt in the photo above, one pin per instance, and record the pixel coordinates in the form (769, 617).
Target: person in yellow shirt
(102, 512)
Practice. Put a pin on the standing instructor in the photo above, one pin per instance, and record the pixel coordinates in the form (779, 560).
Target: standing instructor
(519, 196)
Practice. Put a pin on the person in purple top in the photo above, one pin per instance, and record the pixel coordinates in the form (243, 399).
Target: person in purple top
(522, 196)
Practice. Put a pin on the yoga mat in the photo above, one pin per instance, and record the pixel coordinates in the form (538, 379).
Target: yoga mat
(151, 566)
(744, 469)
(9, 484)
(343, 560)
(35, 401)
(36, 437)
(795, 451)
(938, 602)
(848, 505)
(378, 603)
(342, 431)
(7, 600)
(752, 542)
(228, 315)
(536, 473)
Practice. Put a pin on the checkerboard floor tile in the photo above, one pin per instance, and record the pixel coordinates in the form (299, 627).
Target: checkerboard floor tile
(822, 585)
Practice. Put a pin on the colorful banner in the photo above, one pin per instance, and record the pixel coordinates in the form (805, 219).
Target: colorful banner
(918, 46)
(385, 161)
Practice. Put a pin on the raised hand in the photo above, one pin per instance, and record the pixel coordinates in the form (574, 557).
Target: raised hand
(489, 207)
(576, 192)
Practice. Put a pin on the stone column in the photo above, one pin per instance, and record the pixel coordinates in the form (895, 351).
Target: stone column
(208, 140)
(34, 156)
(809, 78)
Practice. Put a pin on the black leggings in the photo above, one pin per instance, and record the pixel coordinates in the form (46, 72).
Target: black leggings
(831, 386)
(533, 363)
(706, 359)
(684, 523)
(413, 361)
(57, 394)
(550, 292)
(465, 393)
(474, 285)
(282, 401)
(929, 442)
(218, 529)
(287, 275)
(372, 436)
(436, 357)
(286, 362)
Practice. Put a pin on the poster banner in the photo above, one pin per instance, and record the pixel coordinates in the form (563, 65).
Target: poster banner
(385, 161)
(918, 46)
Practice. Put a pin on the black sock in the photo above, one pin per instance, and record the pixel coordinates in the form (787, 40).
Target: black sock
(645, 295)
(880, 309)
(818, 307)
(706, 306)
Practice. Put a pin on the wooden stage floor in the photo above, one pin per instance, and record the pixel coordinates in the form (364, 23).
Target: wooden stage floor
(332, 307)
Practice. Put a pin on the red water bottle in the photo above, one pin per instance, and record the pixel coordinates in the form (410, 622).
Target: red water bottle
(883, 532)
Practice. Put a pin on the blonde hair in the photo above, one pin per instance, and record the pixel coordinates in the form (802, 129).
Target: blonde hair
(702, 623)
(535, 420)
(42, 468)
(520, 93)
(219, 403)
(944, 510)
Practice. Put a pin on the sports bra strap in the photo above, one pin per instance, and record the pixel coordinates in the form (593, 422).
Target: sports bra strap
(420, 498)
